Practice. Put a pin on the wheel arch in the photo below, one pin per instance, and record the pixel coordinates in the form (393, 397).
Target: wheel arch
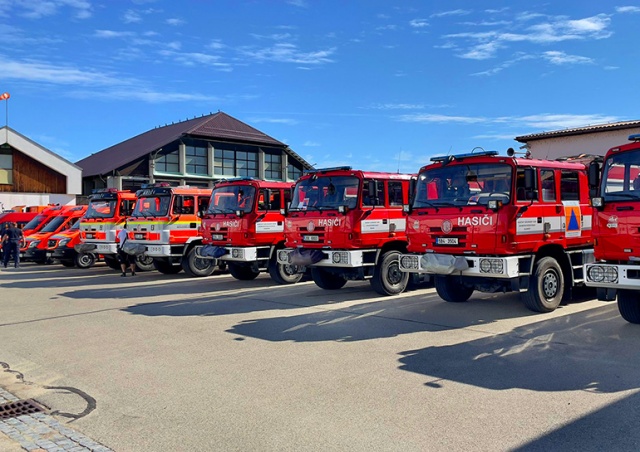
(559, 254)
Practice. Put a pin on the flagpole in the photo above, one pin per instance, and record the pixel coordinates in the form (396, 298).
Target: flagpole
(5, 97)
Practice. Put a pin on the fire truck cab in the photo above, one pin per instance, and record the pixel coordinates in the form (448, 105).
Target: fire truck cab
(107, 211)
(244, 227)
(481, 221)
(348, 224)
(165, 224)
(614, 266)
(36, 247)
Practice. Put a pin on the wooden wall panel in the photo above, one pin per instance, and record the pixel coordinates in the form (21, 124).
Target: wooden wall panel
(31, 176)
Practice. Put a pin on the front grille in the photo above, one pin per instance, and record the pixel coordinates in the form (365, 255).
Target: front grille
(19, 408)
(223, 231)
(319, 231)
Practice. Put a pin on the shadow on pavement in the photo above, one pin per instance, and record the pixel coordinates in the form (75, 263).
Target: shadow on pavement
(593, 350)
(614, 427)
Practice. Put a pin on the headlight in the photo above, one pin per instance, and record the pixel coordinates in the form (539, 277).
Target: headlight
(409, 262)
(340, 257)
(34, 243)
(491, 266)
(64, 242)
(237, 253)
(283, 256)
(603, 273)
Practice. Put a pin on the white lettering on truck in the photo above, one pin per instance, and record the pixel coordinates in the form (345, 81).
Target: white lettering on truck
(475, 221)
(329, 222)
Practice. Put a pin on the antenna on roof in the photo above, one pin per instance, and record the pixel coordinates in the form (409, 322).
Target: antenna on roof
(399, 154)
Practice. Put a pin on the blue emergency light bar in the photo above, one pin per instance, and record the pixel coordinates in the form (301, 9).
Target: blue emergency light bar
(450, 158)
(634, 137)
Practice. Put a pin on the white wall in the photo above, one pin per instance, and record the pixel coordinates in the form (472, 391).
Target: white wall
(592, 143)
(8, 200)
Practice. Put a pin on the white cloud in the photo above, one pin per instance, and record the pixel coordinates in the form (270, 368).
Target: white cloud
(628, 9)
(36, 71)
(108, 34)
(555, 57)
(397, 106)
(311, 144)
(440, 118)
(289, 53)
(196, 58)
(131, 17)
(454, 12)
(175, 22)
(419, 23)
(286, 121)
(37, 9)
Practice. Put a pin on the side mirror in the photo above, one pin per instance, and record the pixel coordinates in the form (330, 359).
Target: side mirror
(373, 192)
(239, 213)
(594, 177)
(529, 179)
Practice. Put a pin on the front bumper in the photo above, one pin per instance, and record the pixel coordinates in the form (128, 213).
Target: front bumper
(446, 264)
(99, 248)
(613, 276)
(327, 258)
(35, 254)
(64, 253)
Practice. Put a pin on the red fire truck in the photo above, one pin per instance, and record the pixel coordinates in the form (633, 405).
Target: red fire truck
(62, 247)
(244, 227)
(616, 229)
(36, 244)
(108, 209)
(348, 224)
(485, 222)
(165, 226)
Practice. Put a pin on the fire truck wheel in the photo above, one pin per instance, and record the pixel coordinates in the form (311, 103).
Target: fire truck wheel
(546, 286)
(112, 262)
(387, 277)
(166, 267)
(85, 260)
(144, 263)
(284, 273)
(196, 266)
(242, 272)
(68, 264)
(451, 289)
(629, 306)
(327, 280)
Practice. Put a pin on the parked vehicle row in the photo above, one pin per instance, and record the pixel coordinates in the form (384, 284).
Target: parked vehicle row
(466, 222)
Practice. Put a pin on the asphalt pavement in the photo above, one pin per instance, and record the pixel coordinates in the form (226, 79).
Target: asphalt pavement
(167, 362)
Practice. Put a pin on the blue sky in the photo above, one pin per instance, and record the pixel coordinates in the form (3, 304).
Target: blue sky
(378, 85)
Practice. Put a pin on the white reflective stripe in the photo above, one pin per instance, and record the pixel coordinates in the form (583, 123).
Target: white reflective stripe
(587, 222)
(269, 226)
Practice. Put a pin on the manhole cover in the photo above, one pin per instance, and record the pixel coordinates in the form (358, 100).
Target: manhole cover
(15, 409)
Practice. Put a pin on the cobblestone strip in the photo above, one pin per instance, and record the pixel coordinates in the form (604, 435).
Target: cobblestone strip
(43, 433)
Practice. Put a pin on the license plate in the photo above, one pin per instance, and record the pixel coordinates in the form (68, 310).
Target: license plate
(154, 249)
(310, 238)
(217, 237)
(89, 236)
(103, 247)
(139, 236)
(446, 240)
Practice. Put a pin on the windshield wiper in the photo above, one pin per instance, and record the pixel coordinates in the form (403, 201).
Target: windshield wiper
(623, 195)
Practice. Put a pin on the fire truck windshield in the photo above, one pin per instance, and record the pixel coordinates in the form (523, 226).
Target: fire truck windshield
(35, 222)
(457, 185)
(101, 208)
(231, 198)
(325, 193)
(54, 224)
(621, 177)
(152, 206)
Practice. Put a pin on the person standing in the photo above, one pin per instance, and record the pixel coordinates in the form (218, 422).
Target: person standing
(12, 240)
(125, 259)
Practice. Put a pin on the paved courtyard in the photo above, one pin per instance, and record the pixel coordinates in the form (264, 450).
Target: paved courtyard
(158, 362)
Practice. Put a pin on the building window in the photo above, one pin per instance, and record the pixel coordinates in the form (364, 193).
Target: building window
(168, 163)
(6, 166)
(293, 172)
(273, 166)
(231, 163)
(196, 160)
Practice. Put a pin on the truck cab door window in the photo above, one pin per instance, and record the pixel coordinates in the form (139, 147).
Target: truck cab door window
(548, 182)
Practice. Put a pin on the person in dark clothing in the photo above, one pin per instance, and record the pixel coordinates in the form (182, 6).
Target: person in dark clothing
(12, 240)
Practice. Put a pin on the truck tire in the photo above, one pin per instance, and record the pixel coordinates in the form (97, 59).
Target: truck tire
(327, 280)
(629, 305)
(387, 277)
(242, 272)
(283, 273)
(166, 267)
(546, 286)
(112, 262)
(85, 260)
(144, 263)
(451, 289)
(195, 266)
